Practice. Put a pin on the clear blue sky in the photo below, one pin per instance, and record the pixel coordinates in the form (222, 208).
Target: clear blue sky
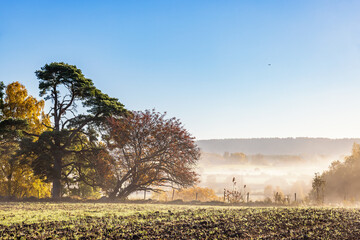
(205, 62)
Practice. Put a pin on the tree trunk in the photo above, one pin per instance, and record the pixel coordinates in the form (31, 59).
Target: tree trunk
(56, 191)
(9, 178)
(112, 195)
(9, 187)
(123, 193)
(116, 190)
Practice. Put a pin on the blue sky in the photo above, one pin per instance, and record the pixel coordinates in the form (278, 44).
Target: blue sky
(205, 62)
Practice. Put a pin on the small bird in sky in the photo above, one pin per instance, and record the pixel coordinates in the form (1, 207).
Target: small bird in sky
(269, 64)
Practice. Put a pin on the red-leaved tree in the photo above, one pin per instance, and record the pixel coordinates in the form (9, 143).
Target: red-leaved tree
(150, 152)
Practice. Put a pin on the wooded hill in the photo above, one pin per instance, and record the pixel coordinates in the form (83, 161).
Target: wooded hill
(280, 146)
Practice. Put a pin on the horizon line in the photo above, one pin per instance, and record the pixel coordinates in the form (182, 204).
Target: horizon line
(247, 138)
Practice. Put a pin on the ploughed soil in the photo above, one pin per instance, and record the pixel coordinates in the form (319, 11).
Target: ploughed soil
(198, 223)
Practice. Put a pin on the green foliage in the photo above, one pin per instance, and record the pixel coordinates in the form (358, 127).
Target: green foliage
(11, 169)
(11, 129)
(55, 76)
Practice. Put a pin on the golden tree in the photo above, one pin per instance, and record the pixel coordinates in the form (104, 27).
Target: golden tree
(19, 105)
(18, 108)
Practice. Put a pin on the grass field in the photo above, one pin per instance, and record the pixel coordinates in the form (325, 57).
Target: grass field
(155, 221)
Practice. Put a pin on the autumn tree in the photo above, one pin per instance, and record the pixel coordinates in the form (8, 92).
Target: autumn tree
(149, 152)
(19, 112)
(19, 105)
(341, 181)
(57, 149)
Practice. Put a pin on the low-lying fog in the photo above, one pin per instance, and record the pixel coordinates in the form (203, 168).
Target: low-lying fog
(292, 173)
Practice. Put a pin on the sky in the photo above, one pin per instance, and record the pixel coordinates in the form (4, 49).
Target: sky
(226, 69)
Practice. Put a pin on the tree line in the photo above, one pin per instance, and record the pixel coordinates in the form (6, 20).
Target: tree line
(88, 142)
(340, 182)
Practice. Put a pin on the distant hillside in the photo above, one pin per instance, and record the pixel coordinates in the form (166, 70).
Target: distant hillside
(280, 146)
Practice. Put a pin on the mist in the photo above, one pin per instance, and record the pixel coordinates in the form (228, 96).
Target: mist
(286, 165)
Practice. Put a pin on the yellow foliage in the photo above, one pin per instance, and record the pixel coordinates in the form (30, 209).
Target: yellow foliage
(16, 178)
(25, 184)
(19, 105)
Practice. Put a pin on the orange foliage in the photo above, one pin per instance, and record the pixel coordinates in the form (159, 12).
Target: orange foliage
(150, 152)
